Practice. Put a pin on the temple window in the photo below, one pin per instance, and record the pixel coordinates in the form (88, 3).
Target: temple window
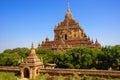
(74, 35)
(65, 36)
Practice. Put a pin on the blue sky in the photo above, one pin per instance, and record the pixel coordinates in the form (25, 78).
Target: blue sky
(25, 21)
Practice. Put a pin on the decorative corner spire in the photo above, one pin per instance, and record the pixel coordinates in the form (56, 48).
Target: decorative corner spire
(97, 44)
(88, 38)
(92, 41)
(39, 46)
(96, 41)
(47, 39)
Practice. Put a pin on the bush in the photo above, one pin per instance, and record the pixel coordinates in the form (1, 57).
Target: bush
(7, 76)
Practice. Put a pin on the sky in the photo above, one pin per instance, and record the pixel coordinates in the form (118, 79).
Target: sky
(25, 21)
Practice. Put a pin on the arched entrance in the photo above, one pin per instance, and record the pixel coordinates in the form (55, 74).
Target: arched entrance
(26, 73)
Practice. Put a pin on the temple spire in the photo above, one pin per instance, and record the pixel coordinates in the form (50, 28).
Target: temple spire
(68, 6)
(32, 51)
(32, 47)
(68, 15)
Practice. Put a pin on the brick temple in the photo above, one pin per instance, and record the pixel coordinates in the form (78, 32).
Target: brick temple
(69, 34)
(29, 68)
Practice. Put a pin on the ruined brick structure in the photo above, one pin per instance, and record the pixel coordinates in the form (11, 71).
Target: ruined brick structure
(69, 34)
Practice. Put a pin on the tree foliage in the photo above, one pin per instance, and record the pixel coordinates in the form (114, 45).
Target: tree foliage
(13, 57)
(77, 58)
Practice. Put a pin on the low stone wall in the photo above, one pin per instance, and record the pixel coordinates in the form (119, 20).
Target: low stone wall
(9, 69)
(101, 73)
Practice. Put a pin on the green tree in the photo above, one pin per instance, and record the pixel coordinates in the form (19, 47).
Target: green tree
(116, 57)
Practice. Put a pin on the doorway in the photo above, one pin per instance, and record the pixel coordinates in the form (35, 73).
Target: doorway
(26, 73)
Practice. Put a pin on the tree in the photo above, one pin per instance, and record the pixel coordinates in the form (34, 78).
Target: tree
(116, 57)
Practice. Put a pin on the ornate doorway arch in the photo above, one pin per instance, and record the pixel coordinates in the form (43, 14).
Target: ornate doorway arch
(26, 73)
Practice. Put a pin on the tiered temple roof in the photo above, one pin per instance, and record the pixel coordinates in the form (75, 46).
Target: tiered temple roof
(69, 34)
(32, 59)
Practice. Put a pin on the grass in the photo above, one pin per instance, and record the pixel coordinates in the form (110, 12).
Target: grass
(71, 77)
(11, 76)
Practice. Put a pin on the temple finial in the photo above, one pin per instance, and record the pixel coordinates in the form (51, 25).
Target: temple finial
(32, 51)
(68, 15)
(32, 47)
(68, 6)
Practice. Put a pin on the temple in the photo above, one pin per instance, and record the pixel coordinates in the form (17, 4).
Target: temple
(69, 34)
(29, 68)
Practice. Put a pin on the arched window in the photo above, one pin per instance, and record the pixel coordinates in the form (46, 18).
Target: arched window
(65, 36)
